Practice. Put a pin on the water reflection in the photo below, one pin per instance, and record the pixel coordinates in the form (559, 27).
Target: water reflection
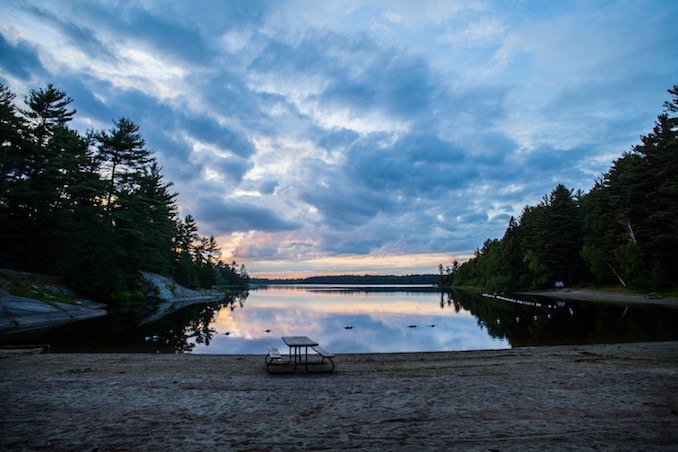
(179, 332)
(193, 326)
(368, 319)
(539, 321)
(348, 319)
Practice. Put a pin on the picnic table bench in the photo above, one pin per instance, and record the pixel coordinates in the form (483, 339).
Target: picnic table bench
(325, 355)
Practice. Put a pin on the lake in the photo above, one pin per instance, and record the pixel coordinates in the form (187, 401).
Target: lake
(368, 319)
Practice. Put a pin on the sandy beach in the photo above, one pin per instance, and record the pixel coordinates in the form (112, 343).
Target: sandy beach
(596, 397)
(606, 296)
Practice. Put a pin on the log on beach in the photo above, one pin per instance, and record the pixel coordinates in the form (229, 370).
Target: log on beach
(610, 397)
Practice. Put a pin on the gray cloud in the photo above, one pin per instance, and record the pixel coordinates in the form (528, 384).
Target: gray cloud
(219, 215)
(20, 61)
(354, 134)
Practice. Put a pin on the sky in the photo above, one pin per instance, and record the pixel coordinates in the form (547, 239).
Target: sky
(363, 137)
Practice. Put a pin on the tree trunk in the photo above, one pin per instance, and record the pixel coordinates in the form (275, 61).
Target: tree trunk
(615, 273)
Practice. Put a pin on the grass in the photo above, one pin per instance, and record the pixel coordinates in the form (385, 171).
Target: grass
(42, 294)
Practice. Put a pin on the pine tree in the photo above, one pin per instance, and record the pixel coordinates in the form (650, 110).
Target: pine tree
(14, 169)
(36, 184)
(47, 108)
(632, 214)
(122, 150)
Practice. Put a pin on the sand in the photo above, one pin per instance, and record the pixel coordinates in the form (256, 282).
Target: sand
(606, 296)
(609, 397)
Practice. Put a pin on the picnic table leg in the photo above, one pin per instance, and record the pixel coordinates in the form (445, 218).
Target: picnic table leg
(270, 365)
(296, 351)
(322, 363)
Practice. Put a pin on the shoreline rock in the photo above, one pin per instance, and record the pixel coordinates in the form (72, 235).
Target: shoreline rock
(19, 314)
(24, 315)
(172, 296)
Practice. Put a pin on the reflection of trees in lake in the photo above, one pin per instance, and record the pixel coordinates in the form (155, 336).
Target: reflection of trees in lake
(193, 322)
(446, 299)
(238, 300)
(540, 322)
(348, 289)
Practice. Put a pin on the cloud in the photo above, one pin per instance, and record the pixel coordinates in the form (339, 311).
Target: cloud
(302, 132)
(220, 215)
(208, 130)
(75, 36)
(20, 60)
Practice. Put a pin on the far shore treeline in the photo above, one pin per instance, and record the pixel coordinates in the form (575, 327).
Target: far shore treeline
(354, 279)
(624, 231)
(93, 208)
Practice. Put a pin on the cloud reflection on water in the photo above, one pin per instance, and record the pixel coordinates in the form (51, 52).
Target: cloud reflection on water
(380, 322)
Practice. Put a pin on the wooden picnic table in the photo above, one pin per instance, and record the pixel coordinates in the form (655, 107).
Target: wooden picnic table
(296, 343)
(297, 356)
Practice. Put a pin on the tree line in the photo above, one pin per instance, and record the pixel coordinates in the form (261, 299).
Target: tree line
(624, 231)
(93, 208)
(354, 279)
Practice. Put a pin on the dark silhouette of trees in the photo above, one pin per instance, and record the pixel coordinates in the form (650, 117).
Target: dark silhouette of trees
(93, 209)
(623, 231)
(122, 151)
(631, 216)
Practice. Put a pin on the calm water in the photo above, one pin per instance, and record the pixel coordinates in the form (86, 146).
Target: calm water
(350, 319)
(379, 319)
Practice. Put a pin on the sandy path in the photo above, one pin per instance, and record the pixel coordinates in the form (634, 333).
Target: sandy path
(610, 397)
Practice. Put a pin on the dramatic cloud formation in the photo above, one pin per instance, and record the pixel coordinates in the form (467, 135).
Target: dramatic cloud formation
(356, 136)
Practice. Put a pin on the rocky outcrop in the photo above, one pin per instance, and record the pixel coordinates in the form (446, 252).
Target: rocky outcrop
(171, 296)
(55, 304)
(21, 314)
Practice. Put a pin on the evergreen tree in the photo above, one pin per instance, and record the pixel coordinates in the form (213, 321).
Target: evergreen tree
(186, 236)
(93, 209)
(514, 268)
(122, 151)
(47, 108)
(35, 187)
(632, 215)
(13, 149)
(554, 238)
(624, 230)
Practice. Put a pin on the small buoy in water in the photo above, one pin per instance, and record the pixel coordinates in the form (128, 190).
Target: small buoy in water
(433, 325)
(227, 333)
(268, 331)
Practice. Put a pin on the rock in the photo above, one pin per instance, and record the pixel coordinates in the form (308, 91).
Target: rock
(172, 296)
(20, 314)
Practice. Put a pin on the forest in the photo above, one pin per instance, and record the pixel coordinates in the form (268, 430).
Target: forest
(623, 232)
(93, 208)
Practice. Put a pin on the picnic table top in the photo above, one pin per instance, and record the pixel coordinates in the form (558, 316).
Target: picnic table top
(299, 341)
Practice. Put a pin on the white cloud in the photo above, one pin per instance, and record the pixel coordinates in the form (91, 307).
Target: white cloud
(485, 31)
